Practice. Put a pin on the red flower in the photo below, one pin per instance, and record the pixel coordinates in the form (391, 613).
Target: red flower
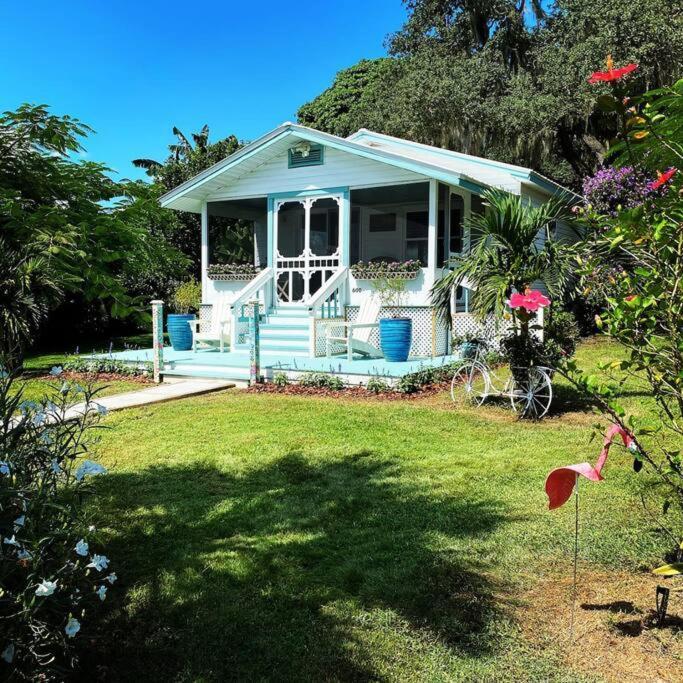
(531, 300)
(611, 74)
(663, 178)
(630, 297)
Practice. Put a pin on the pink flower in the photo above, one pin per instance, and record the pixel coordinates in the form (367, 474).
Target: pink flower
(531, 300)
(612, 74)
(663, 178)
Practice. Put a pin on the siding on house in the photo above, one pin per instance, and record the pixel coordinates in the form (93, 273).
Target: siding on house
(340, 169)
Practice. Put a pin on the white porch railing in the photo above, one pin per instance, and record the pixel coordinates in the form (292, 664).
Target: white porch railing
(328, 301)
(260, 288)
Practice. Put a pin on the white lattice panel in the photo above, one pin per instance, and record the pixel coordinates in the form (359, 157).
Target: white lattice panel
(429, 335)
(319, 331)
(491, 330)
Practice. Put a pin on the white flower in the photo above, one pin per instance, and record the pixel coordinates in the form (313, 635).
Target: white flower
(101, 410)
(24, 555)
(4, 468)
(46, 588)
(12, 541)
(81, 548)
(56, 370)
(88, 467)
(99, 562)
(8, 653)
(91, 528)
(112, 577)
(72, 627)
(55, 466)
(38, 419)
(19, 522)
(102, 593)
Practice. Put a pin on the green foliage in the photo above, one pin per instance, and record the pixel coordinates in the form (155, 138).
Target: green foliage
(560, 336)
(377, 385)
(68, 230)
(106, 365)
(505, 255)
(645, 310)
(321, 380)
(425, 377)
(484, 78)
(280, 380)
(187, 296)
(392, 291)
(186, 159)
(51, 577)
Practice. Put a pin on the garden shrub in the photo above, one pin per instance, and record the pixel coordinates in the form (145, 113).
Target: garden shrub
(377, 385)
(280, 379)
(320, 380)
(415, 381)
(187, 296)
(107, 366)
(53, 575)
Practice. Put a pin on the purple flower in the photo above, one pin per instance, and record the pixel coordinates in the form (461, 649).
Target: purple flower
(611, 190)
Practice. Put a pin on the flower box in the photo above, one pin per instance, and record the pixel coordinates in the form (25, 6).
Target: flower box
(231, 276)
(405, 270)
(232, 271)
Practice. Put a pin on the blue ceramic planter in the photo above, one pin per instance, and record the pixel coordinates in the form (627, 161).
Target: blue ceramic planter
(179, 331)
(395, 337)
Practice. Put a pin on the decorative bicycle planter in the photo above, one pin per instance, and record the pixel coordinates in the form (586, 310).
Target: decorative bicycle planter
(529, 390)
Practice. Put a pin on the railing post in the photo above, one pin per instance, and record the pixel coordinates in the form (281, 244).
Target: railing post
(158, 338)
(254, 342)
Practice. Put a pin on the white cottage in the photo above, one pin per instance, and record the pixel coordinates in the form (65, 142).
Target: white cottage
(318, 205)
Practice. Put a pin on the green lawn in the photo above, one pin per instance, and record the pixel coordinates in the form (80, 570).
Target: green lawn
(263, 537)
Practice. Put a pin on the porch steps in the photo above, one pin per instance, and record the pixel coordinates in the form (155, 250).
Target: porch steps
(286, 330)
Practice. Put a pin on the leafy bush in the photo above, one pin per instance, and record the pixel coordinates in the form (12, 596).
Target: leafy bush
(377, 385)
(51, 576)
(612, 189)
(414, 381)
(561, 334)
(320, 380)
(187, 296)
(280, 379)
(108, 366)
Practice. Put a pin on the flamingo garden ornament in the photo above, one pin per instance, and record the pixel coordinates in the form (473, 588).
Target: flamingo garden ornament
(562, 481)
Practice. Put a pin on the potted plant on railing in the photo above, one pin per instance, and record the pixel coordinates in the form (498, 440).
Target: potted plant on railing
(186, 298)
(232, 271)
(395, 332)
(385, 270)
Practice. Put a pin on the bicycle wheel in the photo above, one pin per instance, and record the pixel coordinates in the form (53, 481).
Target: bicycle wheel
(470, 384)
(532, 395)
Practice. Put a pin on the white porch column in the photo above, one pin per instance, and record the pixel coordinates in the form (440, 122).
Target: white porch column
(205, 251)
(433, 231)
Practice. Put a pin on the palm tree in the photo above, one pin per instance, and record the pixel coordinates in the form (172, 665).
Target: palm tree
(179, 151)
(512, 246)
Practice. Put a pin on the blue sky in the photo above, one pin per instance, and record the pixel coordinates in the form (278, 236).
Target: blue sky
(133, 70)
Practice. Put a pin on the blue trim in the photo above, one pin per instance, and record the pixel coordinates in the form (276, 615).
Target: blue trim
(269, 239)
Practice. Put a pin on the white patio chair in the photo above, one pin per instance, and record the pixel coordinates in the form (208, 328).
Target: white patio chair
(213, 331)
(355, 336)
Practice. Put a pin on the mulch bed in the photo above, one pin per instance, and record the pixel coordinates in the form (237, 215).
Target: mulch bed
(615, 633)
(348, 392)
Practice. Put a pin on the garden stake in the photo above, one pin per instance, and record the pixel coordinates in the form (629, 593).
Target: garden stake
(563, 481)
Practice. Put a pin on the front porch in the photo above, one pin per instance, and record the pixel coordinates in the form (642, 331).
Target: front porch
(234, 365)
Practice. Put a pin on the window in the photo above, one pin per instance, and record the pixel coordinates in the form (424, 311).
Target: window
(382, 222)
(305, 154)
(457, 210)
(417, 235)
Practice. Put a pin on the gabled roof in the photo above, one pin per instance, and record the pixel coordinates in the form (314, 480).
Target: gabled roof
(472, 173)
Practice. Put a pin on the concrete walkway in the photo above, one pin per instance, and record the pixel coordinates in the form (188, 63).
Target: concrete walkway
(159, 393)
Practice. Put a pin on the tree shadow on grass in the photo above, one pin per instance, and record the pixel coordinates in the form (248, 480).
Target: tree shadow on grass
(277, 573)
